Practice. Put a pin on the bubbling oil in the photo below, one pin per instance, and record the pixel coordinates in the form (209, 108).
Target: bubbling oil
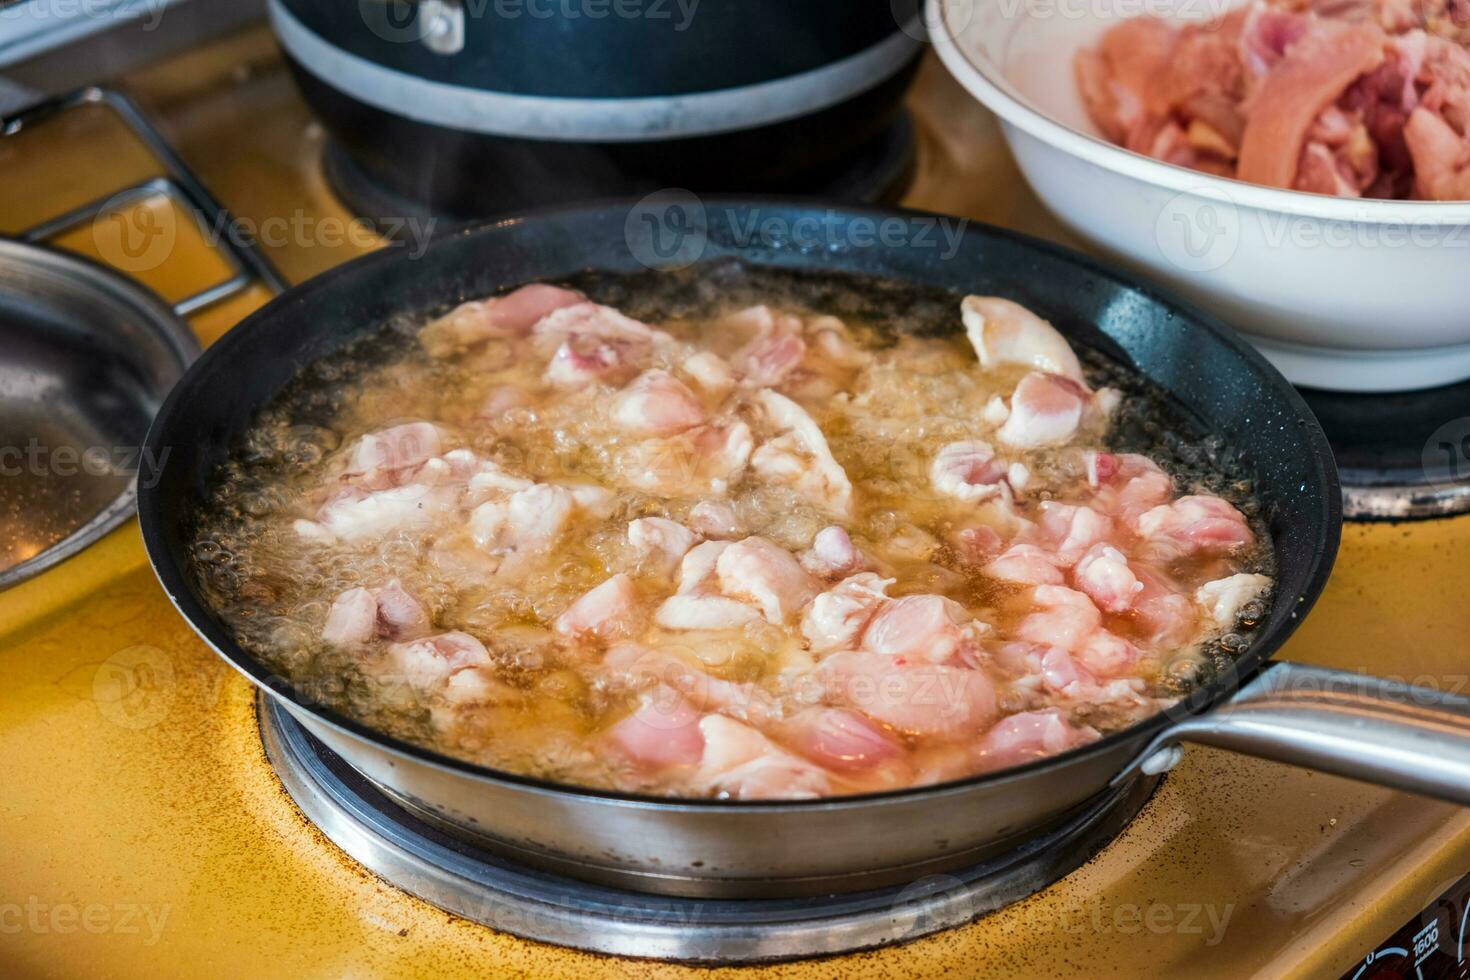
(274, 590)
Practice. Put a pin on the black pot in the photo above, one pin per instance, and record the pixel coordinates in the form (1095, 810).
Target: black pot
(466, 107)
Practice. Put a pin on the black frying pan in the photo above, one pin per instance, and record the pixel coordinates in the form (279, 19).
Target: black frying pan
(1410, 738)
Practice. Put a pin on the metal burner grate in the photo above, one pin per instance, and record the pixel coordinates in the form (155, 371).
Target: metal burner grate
(178, 184)
(465, 881)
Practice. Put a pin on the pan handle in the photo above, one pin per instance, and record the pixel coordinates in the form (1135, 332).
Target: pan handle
(1380, 731)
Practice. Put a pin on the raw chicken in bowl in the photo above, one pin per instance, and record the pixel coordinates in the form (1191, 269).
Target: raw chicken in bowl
(1345, 293)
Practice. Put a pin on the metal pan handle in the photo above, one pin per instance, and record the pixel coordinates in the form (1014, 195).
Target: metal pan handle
(1397, 735)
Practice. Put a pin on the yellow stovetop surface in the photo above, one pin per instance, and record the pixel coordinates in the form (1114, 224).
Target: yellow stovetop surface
(142, 833)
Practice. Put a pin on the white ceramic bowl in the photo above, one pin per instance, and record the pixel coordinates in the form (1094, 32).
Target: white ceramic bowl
(1351, 295)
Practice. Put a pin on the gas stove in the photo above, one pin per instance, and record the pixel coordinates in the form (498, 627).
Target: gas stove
(157, 821)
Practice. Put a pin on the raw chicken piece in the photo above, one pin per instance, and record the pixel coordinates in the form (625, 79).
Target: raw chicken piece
(592, 320)
(473, 686)
(1441, 157)
(527, 521)
(844, 741)
(511, 315)
(704, 612)
(1167, 619)
(360, 615)
(352, 620)
(1363, 98)
(1104, 576)
(833, 359)
(740, 763)
(704, 459)
(1064, 677)
(381, 459)
(596, 501)
(1032, 735)
(353, 514)
(921, 699)
(607, 612)
(644, 666)
(582, 360)
(1070, 530)
(696, 606)
(1065, 620)
(662, 543)
(426, 663)
(710, 371)
(460, 468)
(589, 343)
(801, 456)
(400, 616)
(770, 360)
(832, 554)
(1003, 332)
(1046, 410)
(1025, 564)
(657, 404)
(1118, 79)
(921, 628)
(662, 731)
(977, 543)
(1128, 485)
(834, 343)
(1224, 598)
(765, 574)
(775, 349)
(1266, 34)
(1107, 655)
(1312, 74)
(711, 519)
(697, 570)
(968, 471)
(835, 619)
(1099, 467)
(1194, 525)
(491, 479)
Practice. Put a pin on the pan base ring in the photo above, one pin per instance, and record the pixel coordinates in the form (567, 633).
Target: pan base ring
(465, 881)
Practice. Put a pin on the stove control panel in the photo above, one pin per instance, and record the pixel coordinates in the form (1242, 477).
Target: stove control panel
(1434, 945)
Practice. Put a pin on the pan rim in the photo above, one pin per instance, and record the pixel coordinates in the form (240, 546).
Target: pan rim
(172, 575)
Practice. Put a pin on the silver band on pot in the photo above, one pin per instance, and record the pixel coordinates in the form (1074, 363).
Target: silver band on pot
(538, 117)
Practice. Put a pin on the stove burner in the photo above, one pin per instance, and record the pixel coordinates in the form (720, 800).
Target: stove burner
(465, 881)
(1400, 455)
(879, 173)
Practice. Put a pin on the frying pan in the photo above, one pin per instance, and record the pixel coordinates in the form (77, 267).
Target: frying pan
(1411, 738)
